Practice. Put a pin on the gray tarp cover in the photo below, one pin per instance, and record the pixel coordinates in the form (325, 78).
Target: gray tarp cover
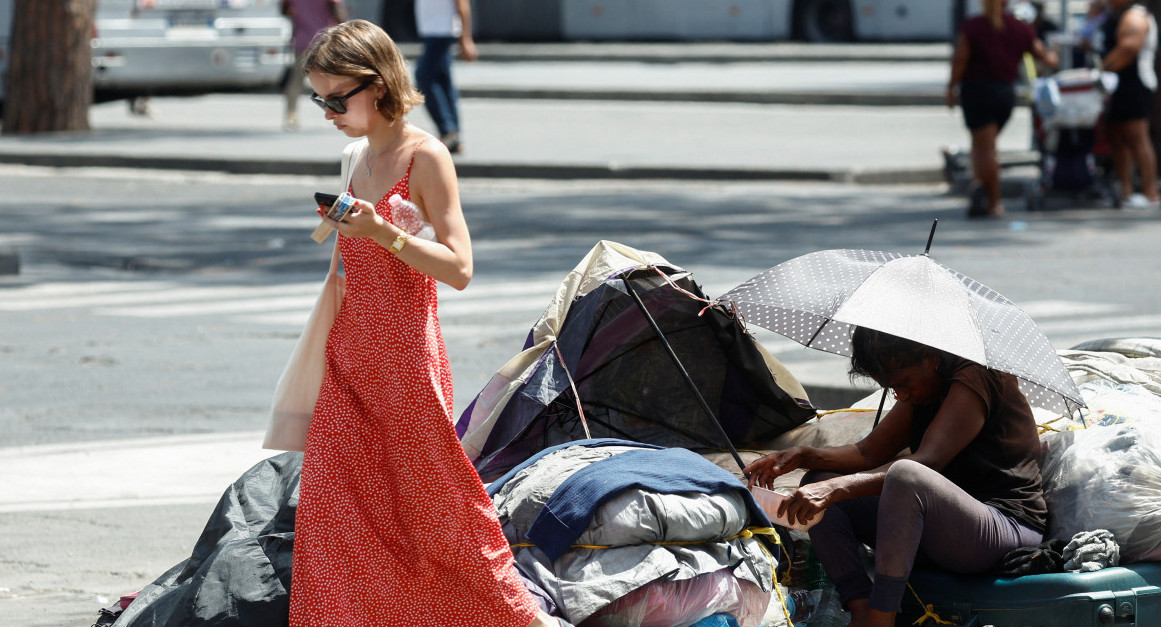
(239, 571)
(633, 525)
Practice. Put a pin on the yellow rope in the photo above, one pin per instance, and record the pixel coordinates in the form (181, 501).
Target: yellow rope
(773, 533)
(782, 602)
(1046, 426)
(748, 532)
(828, 412)
(928, 611)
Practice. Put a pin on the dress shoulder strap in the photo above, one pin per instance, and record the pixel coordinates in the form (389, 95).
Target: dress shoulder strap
(415, 151)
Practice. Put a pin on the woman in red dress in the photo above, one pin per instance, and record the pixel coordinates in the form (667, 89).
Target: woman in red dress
(393, 524)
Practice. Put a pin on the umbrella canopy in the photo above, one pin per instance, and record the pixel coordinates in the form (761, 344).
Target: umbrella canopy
(817, 300)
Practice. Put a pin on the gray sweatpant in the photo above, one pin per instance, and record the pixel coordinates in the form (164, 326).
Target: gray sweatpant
(918, 511)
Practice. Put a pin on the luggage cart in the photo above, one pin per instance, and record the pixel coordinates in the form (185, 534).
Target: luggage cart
(1075, 161)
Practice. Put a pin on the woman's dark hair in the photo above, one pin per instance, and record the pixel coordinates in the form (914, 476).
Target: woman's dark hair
(874, 354)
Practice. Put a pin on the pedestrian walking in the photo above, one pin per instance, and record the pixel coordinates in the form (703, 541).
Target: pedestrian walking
(984, 70)
(441, 24)
(393, 525)
(308, 17)
(1130, 38)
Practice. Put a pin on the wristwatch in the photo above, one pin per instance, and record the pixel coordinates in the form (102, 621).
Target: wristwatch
(398, 244)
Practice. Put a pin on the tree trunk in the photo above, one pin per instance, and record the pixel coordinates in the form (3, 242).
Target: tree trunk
(50, 66)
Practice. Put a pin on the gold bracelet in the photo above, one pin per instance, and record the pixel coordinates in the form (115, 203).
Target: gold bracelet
(398, 244)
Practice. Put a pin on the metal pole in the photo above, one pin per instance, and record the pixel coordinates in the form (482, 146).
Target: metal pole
(684, 373)
(879, 414)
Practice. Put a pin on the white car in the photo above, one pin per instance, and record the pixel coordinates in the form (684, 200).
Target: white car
(147, 47)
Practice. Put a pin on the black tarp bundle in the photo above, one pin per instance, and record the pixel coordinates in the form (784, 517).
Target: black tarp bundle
(239, 571)
(628, 383)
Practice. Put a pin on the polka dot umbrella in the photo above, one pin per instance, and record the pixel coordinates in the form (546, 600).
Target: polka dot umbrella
(819, 298)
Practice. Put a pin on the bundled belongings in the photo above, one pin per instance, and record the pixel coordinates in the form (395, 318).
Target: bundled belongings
(239, 571)
(1119, 378)
(1108, 475)
(631, 348)
(1107, 478)
(619, 533)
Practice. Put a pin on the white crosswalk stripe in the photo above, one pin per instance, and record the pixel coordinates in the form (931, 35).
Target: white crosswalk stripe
(285, 304)
(482, 308)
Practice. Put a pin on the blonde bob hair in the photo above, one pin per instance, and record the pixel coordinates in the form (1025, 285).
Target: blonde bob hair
(363, 51)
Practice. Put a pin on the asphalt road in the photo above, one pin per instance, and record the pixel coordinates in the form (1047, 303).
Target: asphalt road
(154, 311)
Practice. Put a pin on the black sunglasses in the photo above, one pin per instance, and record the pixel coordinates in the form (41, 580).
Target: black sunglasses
(338, 105)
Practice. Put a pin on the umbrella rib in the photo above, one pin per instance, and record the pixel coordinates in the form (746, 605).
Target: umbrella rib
(816, 332)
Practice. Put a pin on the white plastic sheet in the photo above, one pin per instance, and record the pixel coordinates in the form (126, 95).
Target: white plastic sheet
(1107, 478)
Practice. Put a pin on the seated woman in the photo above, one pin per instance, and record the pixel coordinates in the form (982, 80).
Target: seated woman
(967, 492)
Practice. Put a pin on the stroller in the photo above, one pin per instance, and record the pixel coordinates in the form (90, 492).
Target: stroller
(1068, 131)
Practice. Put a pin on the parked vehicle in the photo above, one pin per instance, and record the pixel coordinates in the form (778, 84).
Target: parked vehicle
(147, 47)
(155, 47)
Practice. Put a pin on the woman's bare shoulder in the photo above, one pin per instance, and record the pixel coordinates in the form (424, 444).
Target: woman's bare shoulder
(431, 157)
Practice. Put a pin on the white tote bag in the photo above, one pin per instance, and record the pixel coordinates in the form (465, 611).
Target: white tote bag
(298, 388)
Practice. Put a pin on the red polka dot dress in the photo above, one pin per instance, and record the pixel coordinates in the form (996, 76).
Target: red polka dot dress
(393, 525)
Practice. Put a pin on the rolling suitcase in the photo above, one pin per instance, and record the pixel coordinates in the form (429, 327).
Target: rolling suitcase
(1122, 596)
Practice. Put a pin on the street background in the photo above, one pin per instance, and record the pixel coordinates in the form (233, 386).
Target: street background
(166, 268)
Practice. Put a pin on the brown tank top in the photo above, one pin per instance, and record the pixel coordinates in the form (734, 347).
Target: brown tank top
(1001, 466)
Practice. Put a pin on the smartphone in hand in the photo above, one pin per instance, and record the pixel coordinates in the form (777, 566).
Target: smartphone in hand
(337, 206)
(324, 199)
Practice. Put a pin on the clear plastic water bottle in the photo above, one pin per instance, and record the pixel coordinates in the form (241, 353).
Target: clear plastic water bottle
(800, 604)
(406, 215)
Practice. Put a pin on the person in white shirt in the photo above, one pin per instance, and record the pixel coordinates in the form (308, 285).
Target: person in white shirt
(441, 24)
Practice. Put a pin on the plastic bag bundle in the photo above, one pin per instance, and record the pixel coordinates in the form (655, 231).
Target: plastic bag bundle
(663, 603)
(1107, 478)
(1112, 402)
(1072, 98)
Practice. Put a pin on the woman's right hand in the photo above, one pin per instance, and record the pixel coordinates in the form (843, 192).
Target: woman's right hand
(764, 471)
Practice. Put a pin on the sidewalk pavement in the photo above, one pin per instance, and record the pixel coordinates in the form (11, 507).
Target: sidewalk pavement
(181, 470)
(702, 51)
(551, 139)
(565, 114)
